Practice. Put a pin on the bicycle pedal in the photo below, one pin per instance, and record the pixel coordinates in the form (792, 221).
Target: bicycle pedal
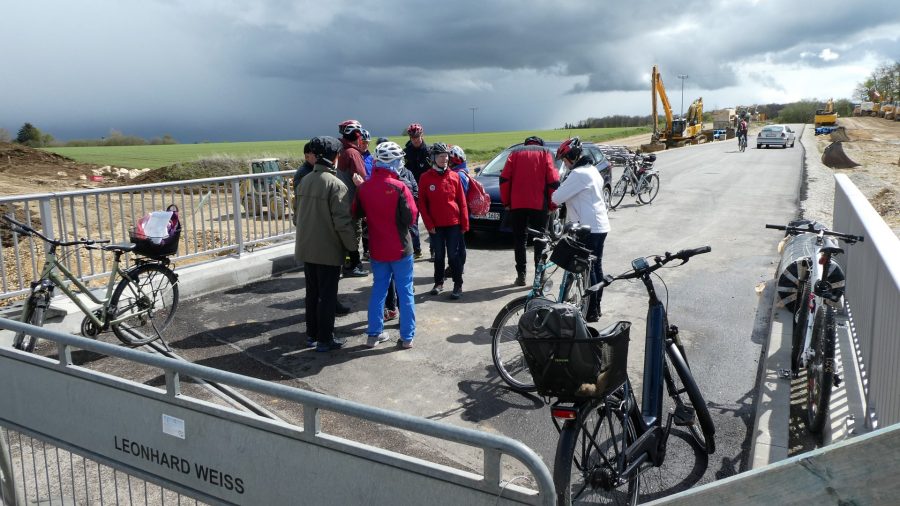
(684, 415)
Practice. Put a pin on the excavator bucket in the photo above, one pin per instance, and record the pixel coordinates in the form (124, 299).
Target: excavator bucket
(653, 146)
(839, 134)
(835, 157)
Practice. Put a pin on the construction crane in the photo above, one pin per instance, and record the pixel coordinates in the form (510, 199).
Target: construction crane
(678, 132)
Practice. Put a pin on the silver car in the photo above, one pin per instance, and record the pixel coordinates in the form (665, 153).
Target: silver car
(775, 135)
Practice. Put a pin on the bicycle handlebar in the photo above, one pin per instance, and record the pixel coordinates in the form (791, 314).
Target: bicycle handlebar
(848, 238)
(23, 229)
(659, 261)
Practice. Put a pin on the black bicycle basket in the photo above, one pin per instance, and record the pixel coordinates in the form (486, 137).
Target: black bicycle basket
(571, 255)
(568, 359)
(153, 239)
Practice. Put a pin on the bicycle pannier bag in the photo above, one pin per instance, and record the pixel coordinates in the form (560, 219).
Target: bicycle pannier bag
(477, 198)
(157, 234)
(568, 359)
(570, 255)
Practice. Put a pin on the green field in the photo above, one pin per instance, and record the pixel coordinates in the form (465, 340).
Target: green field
(479, 147)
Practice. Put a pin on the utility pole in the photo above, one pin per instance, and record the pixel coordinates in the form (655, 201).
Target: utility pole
(473, 109)
(682, 77)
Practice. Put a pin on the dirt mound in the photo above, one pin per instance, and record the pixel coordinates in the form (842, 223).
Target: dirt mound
(17, 154)
(834, 157)
(26, 170)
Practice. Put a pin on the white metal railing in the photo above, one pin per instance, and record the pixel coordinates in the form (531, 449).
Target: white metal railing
(218, 216)
(872, 268)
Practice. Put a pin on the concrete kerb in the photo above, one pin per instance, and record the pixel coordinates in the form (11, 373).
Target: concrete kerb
(193, 281)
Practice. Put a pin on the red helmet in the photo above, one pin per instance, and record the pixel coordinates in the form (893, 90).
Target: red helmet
(351, 129)
(414, 130)
(569, 149)
(457, 156)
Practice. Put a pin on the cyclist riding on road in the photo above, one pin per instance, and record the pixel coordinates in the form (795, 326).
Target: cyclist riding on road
(742, 131)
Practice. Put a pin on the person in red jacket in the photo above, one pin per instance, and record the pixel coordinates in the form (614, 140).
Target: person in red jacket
(442, 203)
(389, 209)
(351, 169)
(526, 185)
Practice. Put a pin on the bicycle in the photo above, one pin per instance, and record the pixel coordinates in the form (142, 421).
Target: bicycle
(147, 293)
(642, 179)
(742, 142)
(506, 352)
(814, 333)
(606, 443)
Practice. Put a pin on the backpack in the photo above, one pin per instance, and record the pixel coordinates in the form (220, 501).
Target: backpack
(477, 198)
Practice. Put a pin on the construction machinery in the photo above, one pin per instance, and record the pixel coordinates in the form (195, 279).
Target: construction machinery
(888, 109)
(826, 116)
(677, 132)
(271, 195)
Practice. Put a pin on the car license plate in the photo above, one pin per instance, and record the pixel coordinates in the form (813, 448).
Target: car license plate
(492, 216)
(771, 134)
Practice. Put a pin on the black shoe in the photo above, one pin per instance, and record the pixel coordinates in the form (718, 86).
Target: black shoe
(323, 347)
(431, 257)
(341, 309)
(592, 317)
(520, 279)
(438, 288)
(457, 291)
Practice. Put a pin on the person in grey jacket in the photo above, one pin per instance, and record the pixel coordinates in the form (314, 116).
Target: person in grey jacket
(327, 233)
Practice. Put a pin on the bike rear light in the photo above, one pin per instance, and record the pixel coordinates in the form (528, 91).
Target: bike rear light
(564, 413)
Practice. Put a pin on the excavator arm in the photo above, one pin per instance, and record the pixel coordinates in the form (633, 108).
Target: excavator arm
(661, 91)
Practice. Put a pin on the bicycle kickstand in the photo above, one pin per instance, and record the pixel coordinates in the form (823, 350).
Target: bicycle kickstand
(160, 337)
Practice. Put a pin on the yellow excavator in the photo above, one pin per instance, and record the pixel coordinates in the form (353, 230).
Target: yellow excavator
(677, 132)
(826, 116)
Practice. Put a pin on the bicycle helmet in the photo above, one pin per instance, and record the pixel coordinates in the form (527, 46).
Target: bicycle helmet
(388, 152)
(382, 139)
(325, 147)
(569, 149)
(350, 128)
(366, 136)
(415, 130)
(534, 140)
(436, 149)
(457, 156)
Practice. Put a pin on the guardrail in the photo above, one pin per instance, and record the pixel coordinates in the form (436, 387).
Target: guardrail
(872, 298)
(217, 454)
(219, 216)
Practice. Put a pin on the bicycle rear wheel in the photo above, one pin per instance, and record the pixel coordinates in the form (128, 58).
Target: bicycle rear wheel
(506, 351)
(32, 313)
(590, 454)
(820, 370)
(575, 290)
(702, 428)
(648, 188)
(618, 192)
(147, 301)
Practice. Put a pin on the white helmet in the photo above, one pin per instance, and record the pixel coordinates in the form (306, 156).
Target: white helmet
(388, 152)
(457, 156)
(349, 127)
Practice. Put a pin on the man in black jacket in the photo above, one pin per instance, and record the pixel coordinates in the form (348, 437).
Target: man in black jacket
(417, 161)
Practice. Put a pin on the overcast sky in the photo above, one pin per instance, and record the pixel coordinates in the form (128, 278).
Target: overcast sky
(280, 69)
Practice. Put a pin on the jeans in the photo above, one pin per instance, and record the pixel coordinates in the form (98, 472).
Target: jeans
(402, 273)
(321, 299)
(595, 244)
(521, 220)
(446, 240)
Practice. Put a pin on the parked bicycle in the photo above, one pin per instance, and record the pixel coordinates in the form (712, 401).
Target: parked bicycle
(813, 339)
(576, 265)
(138, 308)
(639, 179)
(606, 442)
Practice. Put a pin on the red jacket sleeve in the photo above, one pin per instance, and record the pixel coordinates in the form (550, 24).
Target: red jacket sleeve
(506, 181)
(356, 160)
(463, 206)
(552, 180)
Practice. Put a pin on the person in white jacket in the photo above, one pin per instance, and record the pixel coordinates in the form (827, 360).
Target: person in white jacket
(582, 193)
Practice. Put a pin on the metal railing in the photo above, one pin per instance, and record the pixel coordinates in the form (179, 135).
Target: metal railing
(219, 216)
(872, 297)
(117, 422)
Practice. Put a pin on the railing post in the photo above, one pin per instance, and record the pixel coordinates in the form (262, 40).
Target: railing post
(46, 217)
(236, 212)
(8, 491)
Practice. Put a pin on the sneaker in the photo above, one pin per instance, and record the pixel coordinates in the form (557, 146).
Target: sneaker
(375, 340)
(358, 272)
(341, 309)
(333, 345)
(390, 314)
(417, 254)
(438, 288)
(457, 291)
(310, 342)
(405, 344)
(520, 279)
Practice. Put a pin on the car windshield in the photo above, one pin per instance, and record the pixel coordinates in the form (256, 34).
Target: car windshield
(773, 128)
(495, 166)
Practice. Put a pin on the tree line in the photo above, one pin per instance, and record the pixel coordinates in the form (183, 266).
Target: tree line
(883, 81)
(30, 135)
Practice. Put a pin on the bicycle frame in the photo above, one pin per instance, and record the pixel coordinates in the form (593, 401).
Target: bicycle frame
(818, 271)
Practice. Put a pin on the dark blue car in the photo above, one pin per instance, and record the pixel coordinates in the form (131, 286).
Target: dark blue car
(489, 177)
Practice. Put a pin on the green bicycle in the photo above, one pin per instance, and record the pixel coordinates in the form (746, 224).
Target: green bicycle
(137, 309)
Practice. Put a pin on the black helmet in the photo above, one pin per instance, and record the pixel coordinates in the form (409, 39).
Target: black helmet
(438, 148)
(381, 140)
(325, 146)
(570, 149)
(534, 140)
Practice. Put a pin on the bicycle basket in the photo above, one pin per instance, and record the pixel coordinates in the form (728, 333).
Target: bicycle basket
(593, 364)
(157, 234)
(571, 255)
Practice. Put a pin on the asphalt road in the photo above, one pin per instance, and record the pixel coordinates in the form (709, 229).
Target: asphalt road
(710, 195)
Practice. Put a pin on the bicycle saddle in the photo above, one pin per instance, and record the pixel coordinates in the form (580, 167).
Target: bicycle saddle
(124, 248)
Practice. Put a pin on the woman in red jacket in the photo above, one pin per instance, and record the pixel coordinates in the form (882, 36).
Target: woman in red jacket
(442, 203)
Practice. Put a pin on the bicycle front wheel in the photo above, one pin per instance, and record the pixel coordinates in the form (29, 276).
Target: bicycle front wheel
(618, 192)
(575, 292)
(820, 370)
(701, 427)
(590, 454)
(649, 188)
(33, 313)
(506, 351)
(145, 302)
